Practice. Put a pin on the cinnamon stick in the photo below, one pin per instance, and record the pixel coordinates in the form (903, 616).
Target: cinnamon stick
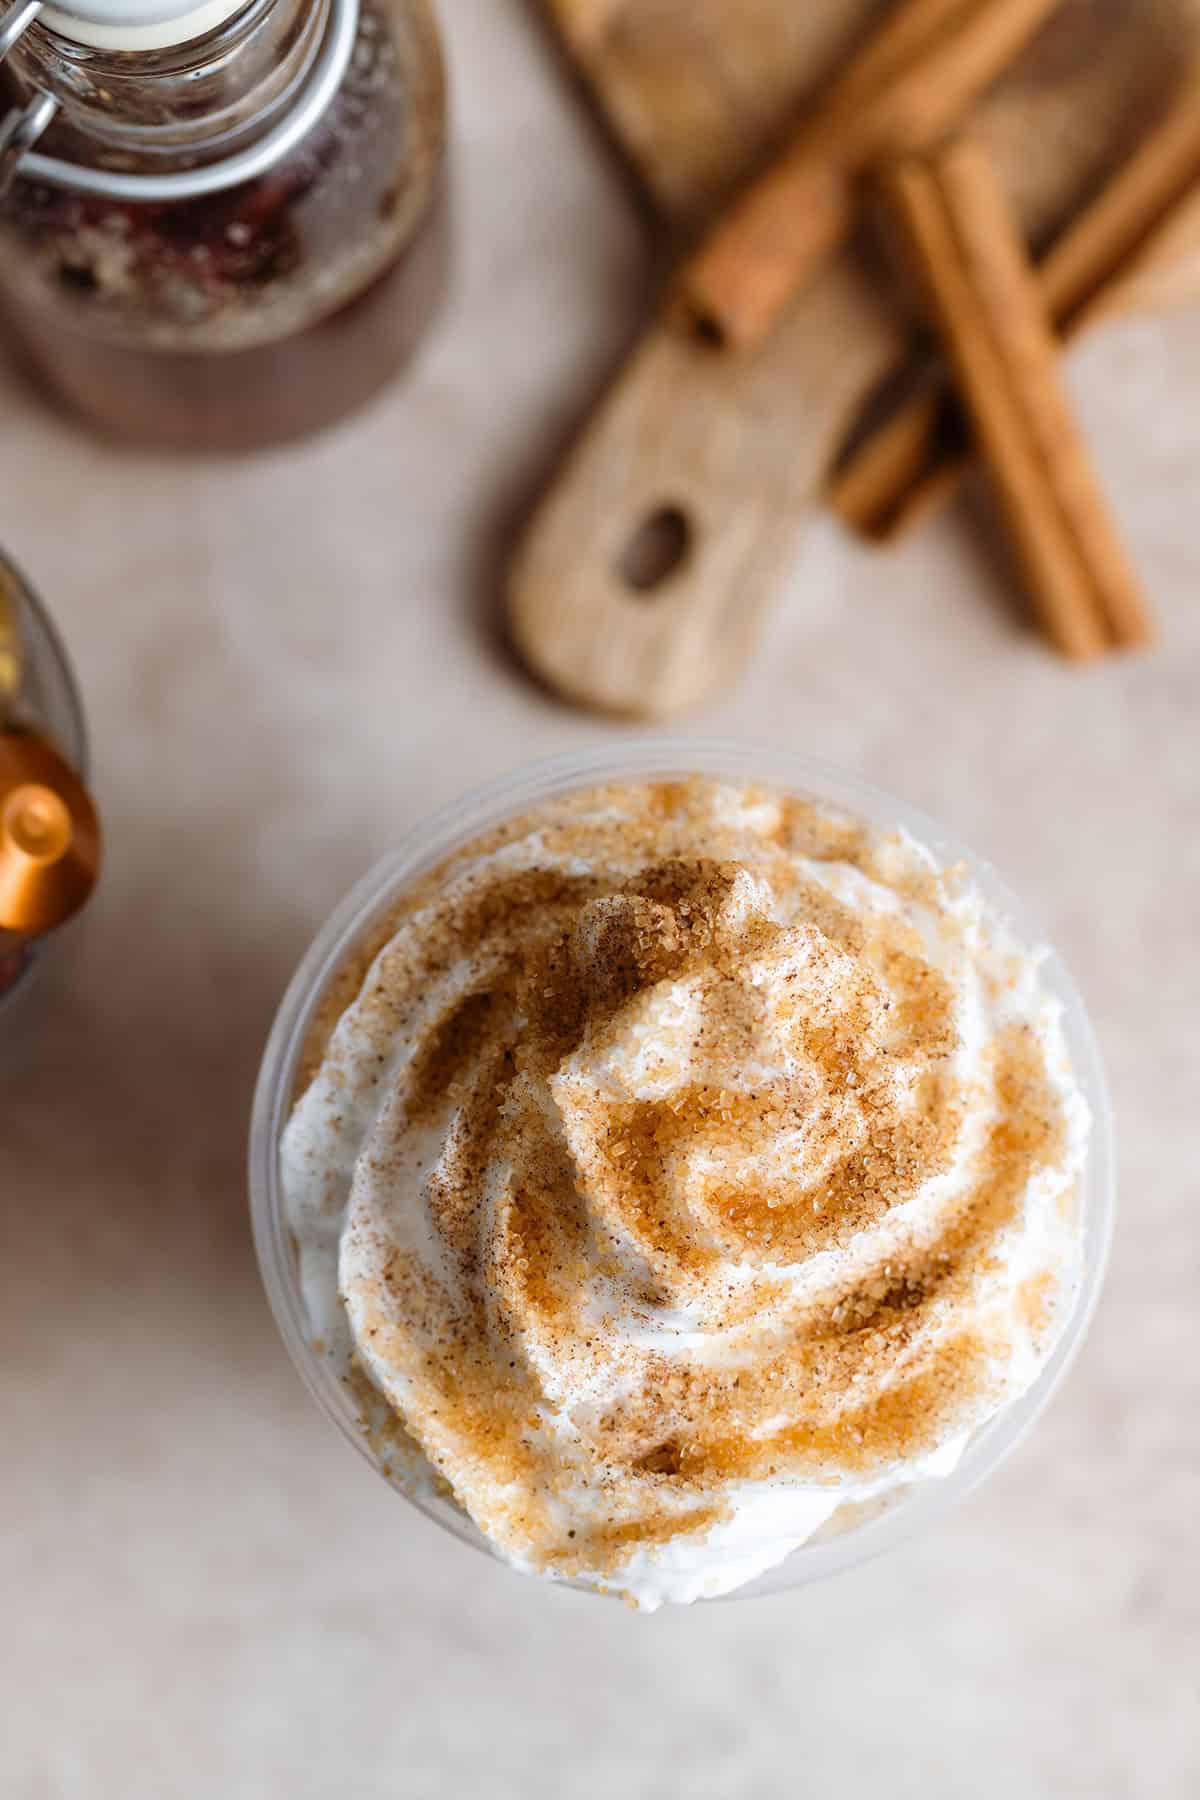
(916, 459)
(984, 298)
(907, 88)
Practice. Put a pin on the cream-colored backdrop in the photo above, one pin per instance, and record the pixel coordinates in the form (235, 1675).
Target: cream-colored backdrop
(286, 662)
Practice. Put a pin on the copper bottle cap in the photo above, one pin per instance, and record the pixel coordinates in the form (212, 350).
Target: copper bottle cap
(49, 836)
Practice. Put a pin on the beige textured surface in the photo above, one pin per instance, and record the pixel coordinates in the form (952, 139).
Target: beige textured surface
(204, 1593)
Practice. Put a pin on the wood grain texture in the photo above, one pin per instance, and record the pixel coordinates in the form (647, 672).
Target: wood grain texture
(691, 431)
(698, 90)
(698, 93)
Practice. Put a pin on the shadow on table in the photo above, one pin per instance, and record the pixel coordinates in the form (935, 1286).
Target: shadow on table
(504, 520)
(21, 384)
(529, 475)
(125, 1090)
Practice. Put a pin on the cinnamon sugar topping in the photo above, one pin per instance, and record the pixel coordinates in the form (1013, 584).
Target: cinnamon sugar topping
(687, 1152)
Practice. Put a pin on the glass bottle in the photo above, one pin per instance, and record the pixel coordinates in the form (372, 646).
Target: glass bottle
(231, 230)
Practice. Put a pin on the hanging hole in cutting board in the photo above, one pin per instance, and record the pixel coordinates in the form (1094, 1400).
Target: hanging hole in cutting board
(707, 331)
(656, 549)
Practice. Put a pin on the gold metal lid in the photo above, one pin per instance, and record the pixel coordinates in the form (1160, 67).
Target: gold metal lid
(49, 836)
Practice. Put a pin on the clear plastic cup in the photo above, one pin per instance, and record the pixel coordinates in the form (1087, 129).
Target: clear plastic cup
(851, 1540)
(47, 701)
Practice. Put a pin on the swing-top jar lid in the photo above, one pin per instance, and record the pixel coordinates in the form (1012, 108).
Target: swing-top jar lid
(137, 24)
(133, 25)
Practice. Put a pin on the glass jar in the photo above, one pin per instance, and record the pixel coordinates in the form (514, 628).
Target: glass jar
(230, 231)
(42, 697)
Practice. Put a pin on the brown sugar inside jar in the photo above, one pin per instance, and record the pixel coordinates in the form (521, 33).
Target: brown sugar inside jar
(254, 310)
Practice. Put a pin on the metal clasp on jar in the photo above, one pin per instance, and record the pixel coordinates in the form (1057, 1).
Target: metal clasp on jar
(23, 126)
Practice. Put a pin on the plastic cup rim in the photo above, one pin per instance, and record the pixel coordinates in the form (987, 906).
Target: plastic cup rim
(455, 824)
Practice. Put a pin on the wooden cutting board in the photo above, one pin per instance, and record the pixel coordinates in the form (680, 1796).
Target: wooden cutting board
(642, 580)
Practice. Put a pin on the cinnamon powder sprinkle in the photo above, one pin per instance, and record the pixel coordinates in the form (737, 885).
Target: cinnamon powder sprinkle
(709, 1135)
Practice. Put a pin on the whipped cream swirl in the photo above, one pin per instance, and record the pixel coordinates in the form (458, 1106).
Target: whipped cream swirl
(682, 1164)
